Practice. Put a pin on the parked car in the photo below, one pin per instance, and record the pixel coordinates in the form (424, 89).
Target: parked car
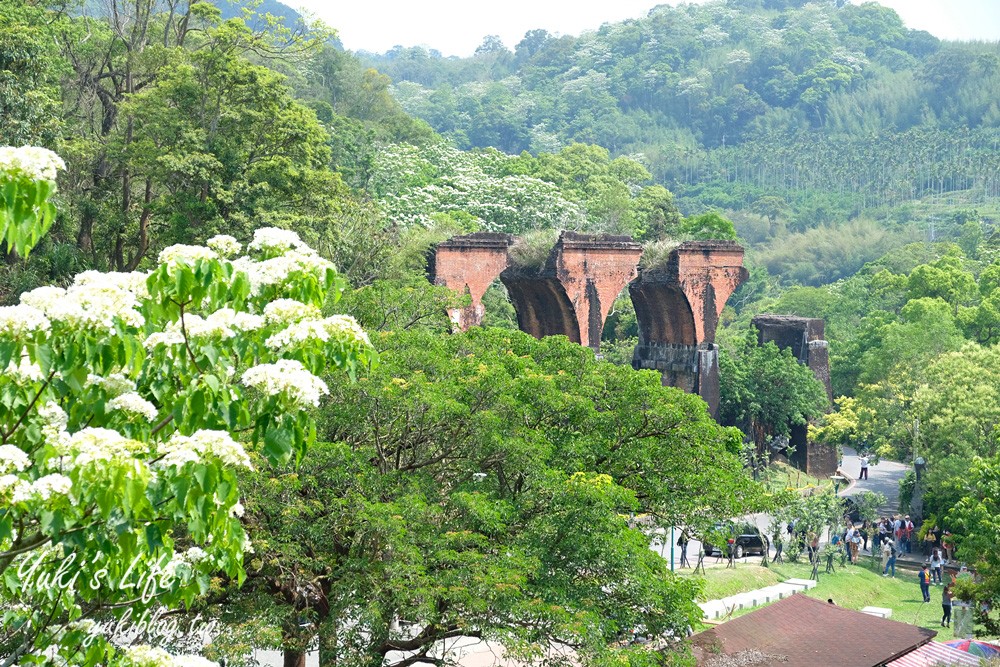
(743, 539)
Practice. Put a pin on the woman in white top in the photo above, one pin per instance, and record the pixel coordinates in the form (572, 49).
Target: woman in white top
(937, 563)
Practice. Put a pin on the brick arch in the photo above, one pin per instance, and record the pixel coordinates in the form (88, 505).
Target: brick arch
(543, 308)
(664, 315)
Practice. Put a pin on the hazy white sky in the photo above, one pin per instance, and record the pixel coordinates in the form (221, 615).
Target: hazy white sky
(457, 27)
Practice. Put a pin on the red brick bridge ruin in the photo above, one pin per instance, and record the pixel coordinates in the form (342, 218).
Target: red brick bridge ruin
(677, 304)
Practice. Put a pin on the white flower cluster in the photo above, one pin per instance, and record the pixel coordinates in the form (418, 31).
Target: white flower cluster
(225, 245)
(92, 305)
(276, 270)
(100, 444)
(12, 458)
(42, 488)
(289, 377)
(54, 421)
(181, 449)
(148, 656)
(222, 324)
(343, 327)
(134, 282)
(38, 164)
(186, 254)
(114, 384)
(25, 372)
(22, 320)
(273, 239)
(134, 404)
(284, 311)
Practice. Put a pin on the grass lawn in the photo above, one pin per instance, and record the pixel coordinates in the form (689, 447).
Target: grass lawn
(854, 587)
(780, 476)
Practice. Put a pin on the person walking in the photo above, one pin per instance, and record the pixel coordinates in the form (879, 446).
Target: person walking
(925, 582)
(908, 535)
(946, 606)
(947, 543)
(848, 539)
(937, 563)
(888, 558)
(864, 467)
(855, 546)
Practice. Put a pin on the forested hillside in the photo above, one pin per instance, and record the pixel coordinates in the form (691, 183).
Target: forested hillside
(793, 115)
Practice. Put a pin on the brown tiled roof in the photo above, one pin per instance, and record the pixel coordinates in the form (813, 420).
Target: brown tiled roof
(812, 633)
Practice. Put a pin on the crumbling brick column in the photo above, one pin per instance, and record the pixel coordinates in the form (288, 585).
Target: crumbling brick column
(469, 265)
(806, 339)
(677, 306)
(572, 293)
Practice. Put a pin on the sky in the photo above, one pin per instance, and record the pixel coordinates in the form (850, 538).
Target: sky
(457, 27)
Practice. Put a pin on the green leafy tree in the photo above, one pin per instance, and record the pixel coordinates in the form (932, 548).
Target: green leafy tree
(765, 390)
(119, 404)
(479, 485)
(708, 226)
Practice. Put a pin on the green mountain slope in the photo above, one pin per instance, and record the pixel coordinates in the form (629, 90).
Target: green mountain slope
(833, 108)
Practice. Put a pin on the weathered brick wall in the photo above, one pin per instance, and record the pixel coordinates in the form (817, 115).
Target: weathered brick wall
(469, 265)
(677, 305)
(573, 293)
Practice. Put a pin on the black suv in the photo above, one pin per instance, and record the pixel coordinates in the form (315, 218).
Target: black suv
(743, 539)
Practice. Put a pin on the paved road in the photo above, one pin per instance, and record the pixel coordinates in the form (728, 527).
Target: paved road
(882, 478)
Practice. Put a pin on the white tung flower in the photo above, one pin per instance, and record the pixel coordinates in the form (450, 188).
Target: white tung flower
(115, 384)
(92, 304)
(284, 311)
(275, 240)
(276, 270)
(230, 319)
(134, 404)
(50, 485)
(24, 372)
(134, 282)
(168, 338)
(38, 164)
(12, 458)
(22, 320)
(20, 490)
(148, 656)
(187, 254)
(101, 444)
(288, 377)
(342, 327)
(181, 449)
(54, 421)
(225, 245)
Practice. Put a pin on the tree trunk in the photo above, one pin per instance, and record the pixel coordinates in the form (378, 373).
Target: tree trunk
(294, 658)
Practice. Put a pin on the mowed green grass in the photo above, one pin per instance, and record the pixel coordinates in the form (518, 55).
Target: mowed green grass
(853, 587)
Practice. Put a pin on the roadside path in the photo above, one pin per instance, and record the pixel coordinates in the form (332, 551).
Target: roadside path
(883, 478)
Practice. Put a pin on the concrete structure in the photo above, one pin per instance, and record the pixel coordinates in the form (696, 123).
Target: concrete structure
(469, 265)
(805, 338)
(572, 293)
(677, 306)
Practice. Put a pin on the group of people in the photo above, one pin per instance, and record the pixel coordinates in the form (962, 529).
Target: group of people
(898, 529)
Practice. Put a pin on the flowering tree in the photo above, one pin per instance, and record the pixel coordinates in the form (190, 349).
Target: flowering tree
(125, 408)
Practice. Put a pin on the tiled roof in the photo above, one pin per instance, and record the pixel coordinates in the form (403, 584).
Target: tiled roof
(812, 633)
(933, 654)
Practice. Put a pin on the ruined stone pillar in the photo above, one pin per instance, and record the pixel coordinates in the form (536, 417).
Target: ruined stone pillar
(805, 338)
(572, 293)
(677, 305)
(469, 265)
